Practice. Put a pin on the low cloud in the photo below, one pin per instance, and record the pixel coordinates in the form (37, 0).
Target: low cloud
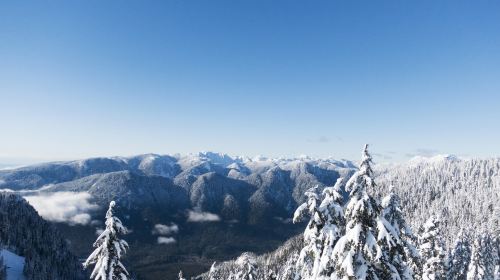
(161, 229)
(66, 207)
(198, 217)
(165, 240)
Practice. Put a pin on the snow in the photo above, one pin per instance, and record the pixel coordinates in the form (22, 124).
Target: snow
(434, 159)
(14, 264)
(300, 213)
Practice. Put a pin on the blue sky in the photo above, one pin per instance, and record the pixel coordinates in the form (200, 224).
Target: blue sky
(278, 78)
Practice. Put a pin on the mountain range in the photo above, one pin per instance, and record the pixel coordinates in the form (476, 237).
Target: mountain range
(187, 211)
(221, 205)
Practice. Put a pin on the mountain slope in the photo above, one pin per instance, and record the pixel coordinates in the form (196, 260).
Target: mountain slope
(249, 202)
(258, 189)
(465, 193)
(129, 189)
(27, 234)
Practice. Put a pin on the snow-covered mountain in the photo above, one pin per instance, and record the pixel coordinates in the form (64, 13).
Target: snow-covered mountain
(234, 187)
(222, 205)
(258, 192)
(464, 193)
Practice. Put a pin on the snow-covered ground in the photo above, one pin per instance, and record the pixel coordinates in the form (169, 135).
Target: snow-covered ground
(15, 265)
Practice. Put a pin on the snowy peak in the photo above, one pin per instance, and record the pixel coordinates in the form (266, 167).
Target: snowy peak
(417, 160)
(239, 188)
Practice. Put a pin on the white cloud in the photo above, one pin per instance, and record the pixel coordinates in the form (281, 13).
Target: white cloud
(161, 229)
(166, 240)
(67, 207)
(202, 217)
(80, 219)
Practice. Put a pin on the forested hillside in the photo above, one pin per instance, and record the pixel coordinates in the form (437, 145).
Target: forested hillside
(464, 193)
(45, 250)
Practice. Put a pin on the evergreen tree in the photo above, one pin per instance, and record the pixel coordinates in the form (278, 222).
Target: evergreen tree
(355, 253)
(393, 214)
(459, 259)
(181, 277)
(246, 268)
(333, 214)
(432, 251)
(310, 255)
(482, 264)
(109, 250)
(394, 240)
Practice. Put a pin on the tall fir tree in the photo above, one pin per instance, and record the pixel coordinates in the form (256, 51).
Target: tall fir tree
(355, 253)
(459, 258)
(334, 226)
(396, 249)
(310, 255)
(109, 250)
(432, 250)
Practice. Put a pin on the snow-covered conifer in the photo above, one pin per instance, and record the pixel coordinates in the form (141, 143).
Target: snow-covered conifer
(181, 276)
(310, 255)
(432, 251)
(246, 268)
(394, 238)
(355, 253)
(109, 250)
(333, 214)
(458, 260)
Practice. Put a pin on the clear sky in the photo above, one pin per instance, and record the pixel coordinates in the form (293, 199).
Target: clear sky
(273, 77)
